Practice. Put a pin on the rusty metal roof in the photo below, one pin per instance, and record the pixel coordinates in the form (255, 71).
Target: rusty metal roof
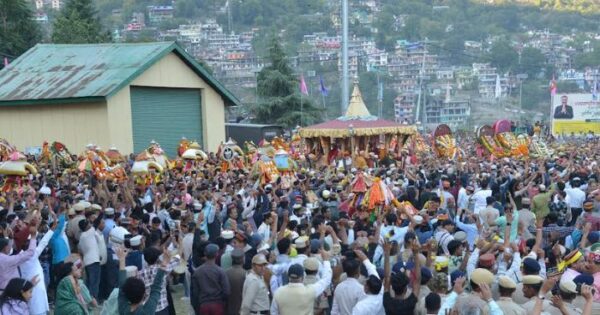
(50, 72)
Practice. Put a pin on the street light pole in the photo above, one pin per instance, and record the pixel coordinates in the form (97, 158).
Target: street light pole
(345, 86)
(521, 77)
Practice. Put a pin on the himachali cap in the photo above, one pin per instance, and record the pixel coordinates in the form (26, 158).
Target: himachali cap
(481, 276)
(441, 262)
(136, 240)
(506, 282)
(227, 234)
(572, 257)
(487, 260)
(418, 219)
(109, 211)
(96, 207)
(300, 242)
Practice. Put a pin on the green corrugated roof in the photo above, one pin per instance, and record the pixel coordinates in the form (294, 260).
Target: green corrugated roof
(48, 73)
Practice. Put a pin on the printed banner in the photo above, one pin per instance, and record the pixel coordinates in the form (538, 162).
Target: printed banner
(576, 114)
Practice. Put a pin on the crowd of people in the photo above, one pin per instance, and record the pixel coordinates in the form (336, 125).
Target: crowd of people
(489, 236)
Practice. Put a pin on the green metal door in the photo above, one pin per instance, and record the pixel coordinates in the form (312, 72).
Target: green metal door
(165, 115)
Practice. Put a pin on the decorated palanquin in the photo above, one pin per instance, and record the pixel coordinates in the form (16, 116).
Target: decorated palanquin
(5, 150)
(264, 170)
(251, 152)
(57, 153)
(296, 151)
(279, 144)
(357, 130)
(184, 144)
(444, 143)
(516, 146)
(14, 169)
(192, 156)
(286, 166)
(231, 155)
(149, 165)
(94, 161)
(485, 135)
(114, 156)
(539, 148)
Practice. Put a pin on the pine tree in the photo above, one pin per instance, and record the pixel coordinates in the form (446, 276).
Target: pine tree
(78, 23)
(18, 30)
(278, 89)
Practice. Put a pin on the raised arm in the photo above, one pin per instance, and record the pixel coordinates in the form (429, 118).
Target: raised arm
(416, 286)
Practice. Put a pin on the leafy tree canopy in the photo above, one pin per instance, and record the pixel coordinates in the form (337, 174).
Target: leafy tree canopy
(18, 31)
(78, 23)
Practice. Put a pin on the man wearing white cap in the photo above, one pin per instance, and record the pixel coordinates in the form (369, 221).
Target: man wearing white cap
(109, 222)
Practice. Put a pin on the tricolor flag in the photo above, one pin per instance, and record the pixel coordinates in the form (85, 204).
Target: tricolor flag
(303, 88)
(553, 86)
(324, 90)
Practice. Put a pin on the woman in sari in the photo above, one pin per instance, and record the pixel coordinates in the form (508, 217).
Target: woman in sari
(72, 296)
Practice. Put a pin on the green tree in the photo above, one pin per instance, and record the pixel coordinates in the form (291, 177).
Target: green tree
(502, 55)
(280, 101)
(78, 23)
(532, 62)
(18, 31)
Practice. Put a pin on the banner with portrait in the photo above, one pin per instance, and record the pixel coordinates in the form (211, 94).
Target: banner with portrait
(576, 114)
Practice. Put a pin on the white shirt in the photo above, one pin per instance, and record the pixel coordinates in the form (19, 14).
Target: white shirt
(443, 237)
(575, 197)
(371, 305)
(346, 295)
(101, 247)
(264, 230)
(188, 243)
(463, 199)
(319, 287)
(31, 268)
(88, 247)
(399, 233)
(480, 199)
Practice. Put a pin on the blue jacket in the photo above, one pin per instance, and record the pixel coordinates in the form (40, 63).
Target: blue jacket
(60, 248)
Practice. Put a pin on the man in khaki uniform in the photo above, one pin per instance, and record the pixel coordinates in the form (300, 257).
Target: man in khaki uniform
(531, 288)
(311, 266)
(236, 276)
(295, 298)
(255, 297)
(473, 301)
(568, 293)
(507, 287)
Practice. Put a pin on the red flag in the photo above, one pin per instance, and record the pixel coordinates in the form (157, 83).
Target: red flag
(553, 86)
(303, 88)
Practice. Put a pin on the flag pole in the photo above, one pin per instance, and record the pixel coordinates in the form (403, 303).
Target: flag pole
(324, 106)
